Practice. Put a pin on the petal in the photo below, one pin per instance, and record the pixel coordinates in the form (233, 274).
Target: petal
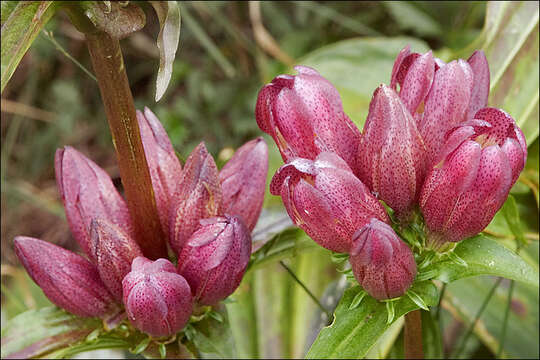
(480, 90)
(417, 82)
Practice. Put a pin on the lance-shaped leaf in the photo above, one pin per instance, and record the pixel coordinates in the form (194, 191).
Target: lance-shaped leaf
(19, 31)
(243, 181)
(198, 197)
(67, 279)
(114, 251)
(168, 14)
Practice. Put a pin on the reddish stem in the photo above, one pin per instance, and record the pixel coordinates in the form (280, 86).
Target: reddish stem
(108, 64)
(413, 335)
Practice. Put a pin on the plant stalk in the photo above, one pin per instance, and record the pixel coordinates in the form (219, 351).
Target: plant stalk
(110, 72)
(413, 335)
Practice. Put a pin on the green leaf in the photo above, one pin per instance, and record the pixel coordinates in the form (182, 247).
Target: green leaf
(409, 17)
(213, 339)
(354, 332)
(486, 257)
(357, 300)
(36, 332)
(19, 31)
(510, 41)
(511, 214)
(464, 297)
(357, 67)
(7, 9)
(417, 300)
(168, 14)
(141, 346)
(285, 244)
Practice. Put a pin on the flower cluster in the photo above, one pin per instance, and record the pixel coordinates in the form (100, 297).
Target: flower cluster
(429, 141)
(207, 216)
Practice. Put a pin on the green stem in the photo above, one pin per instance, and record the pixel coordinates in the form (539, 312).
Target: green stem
(413, 335)
(470, 329)
(313, 297)
(108, 64)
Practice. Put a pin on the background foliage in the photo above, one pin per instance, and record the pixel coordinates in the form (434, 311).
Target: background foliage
(51, 101)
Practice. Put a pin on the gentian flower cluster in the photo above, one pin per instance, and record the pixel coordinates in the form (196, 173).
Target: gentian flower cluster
(429, 143)
(207, 216)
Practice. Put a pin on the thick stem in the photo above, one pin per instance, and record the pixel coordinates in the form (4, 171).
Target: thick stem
(413, 335)
(108, 64)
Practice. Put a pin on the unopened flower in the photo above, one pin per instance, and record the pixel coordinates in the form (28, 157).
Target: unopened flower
(67, 279)
(215, 258)
(243, 181)
(304, 115)
(391, 155)
(158, 301)
(198, 197)
(476, 168)
(326, 200)
(88, 193)
(381, 262)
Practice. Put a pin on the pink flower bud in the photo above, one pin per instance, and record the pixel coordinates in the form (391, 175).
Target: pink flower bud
(67, 279)
(391, 154)
(198, 197)
(480, 90)
(446, 104)
(326, 200)
(381, 262)
(114, 251)
(88, 192)
(479, 162)
(158, 301)
(243, 181)
(165, 169)
(414, 73)
(215, 258)
(304, 115)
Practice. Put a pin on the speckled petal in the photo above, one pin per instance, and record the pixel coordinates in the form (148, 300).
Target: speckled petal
(417, 82)
(114, 252)
(199, 196)
(243, 181)
(164, 166)
(158, 301)
(480, 90)
(67, 279)
(215, 258)
(88, 192)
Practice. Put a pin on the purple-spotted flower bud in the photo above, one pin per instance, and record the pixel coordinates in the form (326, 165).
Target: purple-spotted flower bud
(114, 251)
(446, 104)
(165, 169)
(198, 197)
(381, 262)
(326, 200)
(243, 181)
(304, 115)
(391, 155)
(476, 168)
(88, 193)
(215, 258)
(158, 301)
(67, 279)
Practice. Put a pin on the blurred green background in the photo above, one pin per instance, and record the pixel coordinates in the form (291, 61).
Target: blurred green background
(220, 66)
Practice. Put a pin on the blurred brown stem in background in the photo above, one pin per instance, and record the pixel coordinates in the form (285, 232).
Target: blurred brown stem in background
(263, 37)
(413, 335)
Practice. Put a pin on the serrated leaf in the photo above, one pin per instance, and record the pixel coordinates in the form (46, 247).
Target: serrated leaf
(169, 17)
(354, 332)
(36, 332)
(486, 257)
(19, 31)
(417, 300)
